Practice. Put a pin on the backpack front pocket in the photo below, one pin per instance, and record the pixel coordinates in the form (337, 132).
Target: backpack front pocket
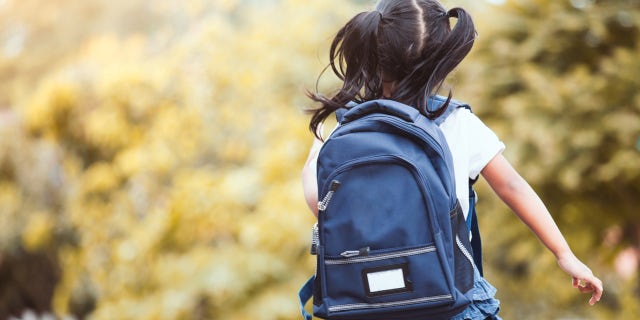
(361, 281)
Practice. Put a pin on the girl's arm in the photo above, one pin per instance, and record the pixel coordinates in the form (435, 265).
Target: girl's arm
(309, 178)
(526, 204)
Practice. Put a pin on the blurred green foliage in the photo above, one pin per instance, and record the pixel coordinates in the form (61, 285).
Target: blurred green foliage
(150, 154)
(558, 81)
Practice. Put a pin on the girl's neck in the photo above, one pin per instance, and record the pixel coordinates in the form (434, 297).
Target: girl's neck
(387, 88)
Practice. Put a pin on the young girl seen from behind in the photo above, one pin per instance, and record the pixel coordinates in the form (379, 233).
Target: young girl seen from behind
(403, 50)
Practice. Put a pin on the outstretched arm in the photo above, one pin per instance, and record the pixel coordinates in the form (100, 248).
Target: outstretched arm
(526, 204)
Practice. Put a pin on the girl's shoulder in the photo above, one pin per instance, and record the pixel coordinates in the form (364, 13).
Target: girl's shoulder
(459, 117)
(464, 123)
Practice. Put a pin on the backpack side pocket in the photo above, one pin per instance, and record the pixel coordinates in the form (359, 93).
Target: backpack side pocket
(463, 258)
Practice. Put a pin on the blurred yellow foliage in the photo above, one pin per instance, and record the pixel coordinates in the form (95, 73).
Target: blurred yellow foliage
(38, 231)
(180, 152)
(51, 107)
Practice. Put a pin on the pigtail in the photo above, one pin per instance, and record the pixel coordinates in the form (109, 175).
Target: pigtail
(444, 52)
(462, 36)
(353, 58)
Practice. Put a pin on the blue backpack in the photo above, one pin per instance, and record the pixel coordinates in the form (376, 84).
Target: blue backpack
(391, 240)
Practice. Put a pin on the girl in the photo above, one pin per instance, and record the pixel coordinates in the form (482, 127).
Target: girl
(403, 50)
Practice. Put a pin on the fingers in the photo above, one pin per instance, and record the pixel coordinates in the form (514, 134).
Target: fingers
(597, 290)
(595, 295)
(586, 289)
(582, 278)
(593, 285)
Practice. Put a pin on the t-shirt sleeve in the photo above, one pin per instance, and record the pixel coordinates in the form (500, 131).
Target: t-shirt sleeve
(484, 145)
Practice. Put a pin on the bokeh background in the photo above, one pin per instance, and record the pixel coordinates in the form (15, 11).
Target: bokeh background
(150, 152)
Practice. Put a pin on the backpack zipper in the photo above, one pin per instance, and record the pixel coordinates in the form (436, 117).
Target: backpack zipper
(322, 205)
(377, 257)
(465, 252)
(315, 239)
(360, 306)
(354, 253)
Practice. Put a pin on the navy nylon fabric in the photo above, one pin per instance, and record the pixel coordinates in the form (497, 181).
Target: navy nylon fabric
(389, 211)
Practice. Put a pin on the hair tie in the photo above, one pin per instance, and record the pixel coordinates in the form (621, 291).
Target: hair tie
(380, 14)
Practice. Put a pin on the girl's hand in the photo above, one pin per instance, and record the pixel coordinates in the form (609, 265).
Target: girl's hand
(583, 278)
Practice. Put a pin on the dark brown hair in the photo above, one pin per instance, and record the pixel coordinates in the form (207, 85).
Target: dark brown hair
(408, 42)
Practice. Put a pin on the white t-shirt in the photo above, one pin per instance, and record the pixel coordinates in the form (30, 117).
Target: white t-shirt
(472, 146)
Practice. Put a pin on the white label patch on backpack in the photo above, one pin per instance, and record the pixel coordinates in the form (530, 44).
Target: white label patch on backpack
(387, 280)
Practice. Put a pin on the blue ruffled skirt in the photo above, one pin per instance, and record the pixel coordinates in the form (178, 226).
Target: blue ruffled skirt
(484, 305)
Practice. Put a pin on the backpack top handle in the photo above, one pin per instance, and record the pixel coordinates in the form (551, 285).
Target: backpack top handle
(407, 113)
(391, 107)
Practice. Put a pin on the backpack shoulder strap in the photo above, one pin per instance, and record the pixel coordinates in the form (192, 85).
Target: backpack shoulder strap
(340, 114)
(342, 111)
(436, 102)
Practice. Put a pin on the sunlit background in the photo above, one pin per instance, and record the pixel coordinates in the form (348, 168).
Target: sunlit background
(150, 152)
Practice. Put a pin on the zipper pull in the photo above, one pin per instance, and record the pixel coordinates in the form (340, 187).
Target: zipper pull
(356, 253)
(322, 205)
(315, 239)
